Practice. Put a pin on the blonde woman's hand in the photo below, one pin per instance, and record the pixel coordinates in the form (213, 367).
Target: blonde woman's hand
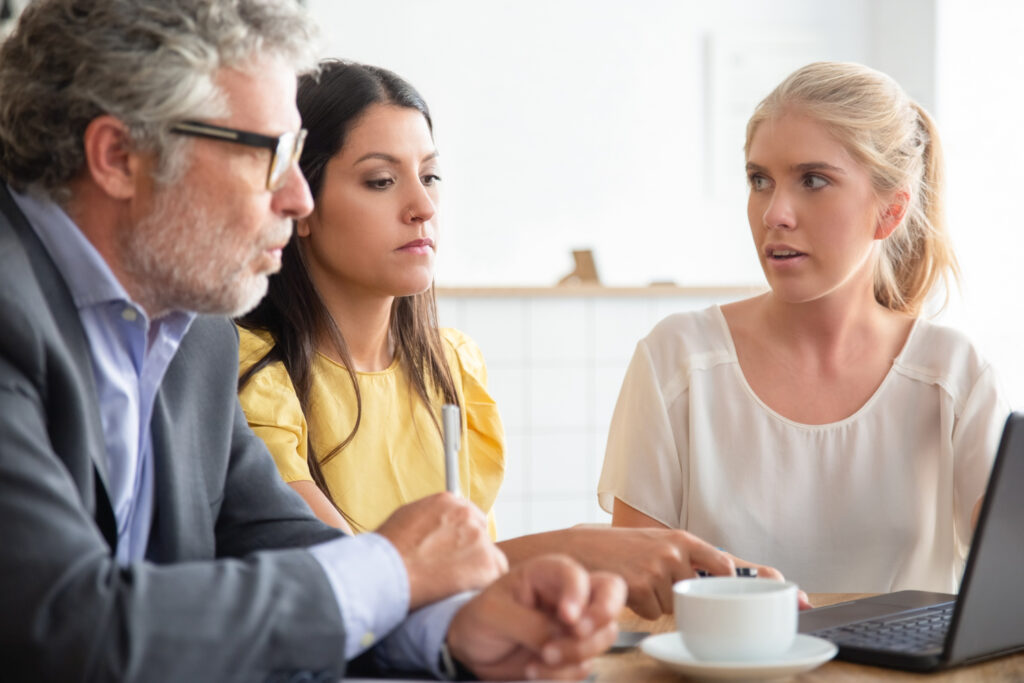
(766, 572)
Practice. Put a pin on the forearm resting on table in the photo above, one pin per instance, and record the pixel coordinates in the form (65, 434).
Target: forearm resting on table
(565, 540)
(582, 541)
(524, 547)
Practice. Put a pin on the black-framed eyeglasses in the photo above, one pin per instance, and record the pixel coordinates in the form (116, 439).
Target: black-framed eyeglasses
(286, 148)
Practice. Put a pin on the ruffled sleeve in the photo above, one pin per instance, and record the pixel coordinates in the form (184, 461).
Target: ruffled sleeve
(483, 444)
(646, 462)
(272, 408)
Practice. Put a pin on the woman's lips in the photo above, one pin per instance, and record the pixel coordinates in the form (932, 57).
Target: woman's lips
(782, 252)
(783, 256)
(424, 246)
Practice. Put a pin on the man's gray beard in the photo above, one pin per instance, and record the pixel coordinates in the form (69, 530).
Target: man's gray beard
(183, 256)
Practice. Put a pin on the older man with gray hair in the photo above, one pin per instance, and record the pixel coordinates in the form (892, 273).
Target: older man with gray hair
(147, 150)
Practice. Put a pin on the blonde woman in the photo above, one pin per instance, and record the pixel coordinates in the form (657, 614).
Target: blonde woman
(824, 427)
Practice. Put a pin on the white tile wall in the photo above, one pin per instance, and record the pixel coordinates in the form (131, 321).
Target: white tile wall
(561, 465)
(556, 514)
(607, 381)
(509, 386)
(554, 365)
(560, 396)
(498, 325)
(558, 332)
(618, 324)
(517, 484)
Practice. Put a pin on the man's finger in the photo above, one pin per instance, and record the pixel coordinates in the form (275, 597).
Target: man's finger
(560, 584)
(502, 561)
(607, 597)
(526, 627)
(568, 650)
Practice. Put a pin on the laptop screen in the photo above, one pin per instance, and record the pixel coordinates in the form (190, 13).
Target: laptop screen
(989, 616)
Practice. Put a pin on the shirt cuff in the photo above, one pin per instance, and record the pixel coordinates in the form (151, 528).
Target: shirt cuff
(370, 584)
(416, 644)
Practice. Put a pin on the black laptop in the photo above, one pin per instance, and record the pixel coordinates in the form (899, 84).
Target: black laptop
(925, 631)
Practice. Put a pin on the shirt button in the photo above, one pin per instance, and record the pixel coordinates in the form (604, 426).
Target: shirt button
(367, 639)
(130, 314)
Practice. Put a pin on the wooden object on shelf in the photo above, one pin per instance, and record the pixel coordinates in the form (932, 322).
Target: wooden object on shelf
(585, 272)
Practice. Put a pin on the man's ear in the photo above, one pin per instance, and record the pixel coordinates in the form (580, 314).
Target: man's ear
(111, 160)
(892, 214)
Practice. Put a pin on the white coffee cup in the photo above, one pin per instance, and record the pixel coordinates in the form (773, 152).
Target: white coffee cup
(736, 619)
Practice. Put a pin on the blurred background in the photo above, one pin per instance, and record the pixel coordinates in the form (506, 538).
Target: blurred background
(618, 127)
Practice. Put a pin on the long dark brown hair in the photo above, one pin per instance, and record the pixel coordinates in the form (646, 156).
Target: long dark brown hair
(294, 313)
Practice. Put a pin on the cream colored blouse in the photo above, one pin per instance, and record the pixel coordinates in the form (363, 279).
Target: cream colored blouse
(879, 501)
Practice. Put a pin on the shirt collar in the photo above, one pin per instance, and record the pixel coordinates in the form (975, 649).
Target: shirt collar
(86, 272)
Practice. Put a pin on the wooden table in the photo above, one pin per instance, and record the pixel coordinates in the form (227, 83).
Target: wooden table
(636, 667)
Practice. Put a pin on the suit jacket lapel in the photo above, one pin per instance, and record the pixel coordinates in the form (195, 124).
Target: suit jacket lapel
(69, 329)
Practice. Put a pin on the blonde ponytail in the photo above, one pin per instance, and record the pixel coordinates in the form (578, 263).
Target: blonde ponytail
(897, 142)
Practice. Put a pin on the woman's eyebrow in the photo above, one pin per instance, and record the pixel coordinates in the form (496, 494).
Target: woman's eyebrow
(391, 159)
(801, 168)
(377, 155)
(818, 166)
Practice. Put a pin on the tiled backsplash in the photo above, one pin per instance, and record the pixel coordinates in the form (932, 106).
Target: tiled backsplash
(555, 362)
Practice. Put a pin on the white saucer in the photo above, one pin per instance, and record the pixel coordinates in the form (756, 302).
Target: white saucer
(806, 653)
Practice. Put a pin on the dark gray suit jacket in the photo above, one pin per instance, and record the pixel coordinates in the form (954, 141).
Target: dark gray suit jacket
(226, 595)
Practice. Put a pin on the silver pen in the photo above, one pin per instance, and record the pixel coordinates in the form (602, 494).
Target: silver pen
(451, 429)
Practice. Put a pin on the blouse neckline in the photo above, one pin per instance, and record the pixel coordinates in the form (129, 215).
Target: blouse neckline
(853, 417)
(390, 369)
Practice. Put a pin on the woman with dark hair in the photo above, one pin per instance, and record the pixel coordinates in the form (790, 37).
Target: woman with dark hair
(344, 369)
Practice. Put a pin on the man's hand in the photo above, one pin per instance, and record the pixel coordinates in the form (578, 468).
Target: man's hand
(444, 544)
(547, 618)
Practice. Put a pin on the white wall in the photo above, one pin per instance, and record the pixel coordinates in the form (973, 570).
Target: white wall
(618, 126)
(568, 123)
(980, 105)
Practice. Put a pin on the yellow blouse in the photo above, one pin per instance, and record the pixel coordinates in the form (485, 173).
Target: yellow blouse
(397, 455)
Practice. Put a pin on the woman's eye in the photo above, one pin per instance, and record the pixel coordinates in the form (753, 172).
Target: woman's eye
(758, 183)
(379, 183)
(815, 182)
(430, 179)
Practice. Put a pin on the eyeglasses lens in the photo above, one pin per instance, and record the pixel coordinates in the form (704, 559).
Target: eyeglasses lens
(289, 149)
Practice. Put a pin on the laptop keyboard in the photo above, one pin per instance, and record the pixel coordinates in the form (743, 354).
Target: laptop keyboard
(923, 631)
